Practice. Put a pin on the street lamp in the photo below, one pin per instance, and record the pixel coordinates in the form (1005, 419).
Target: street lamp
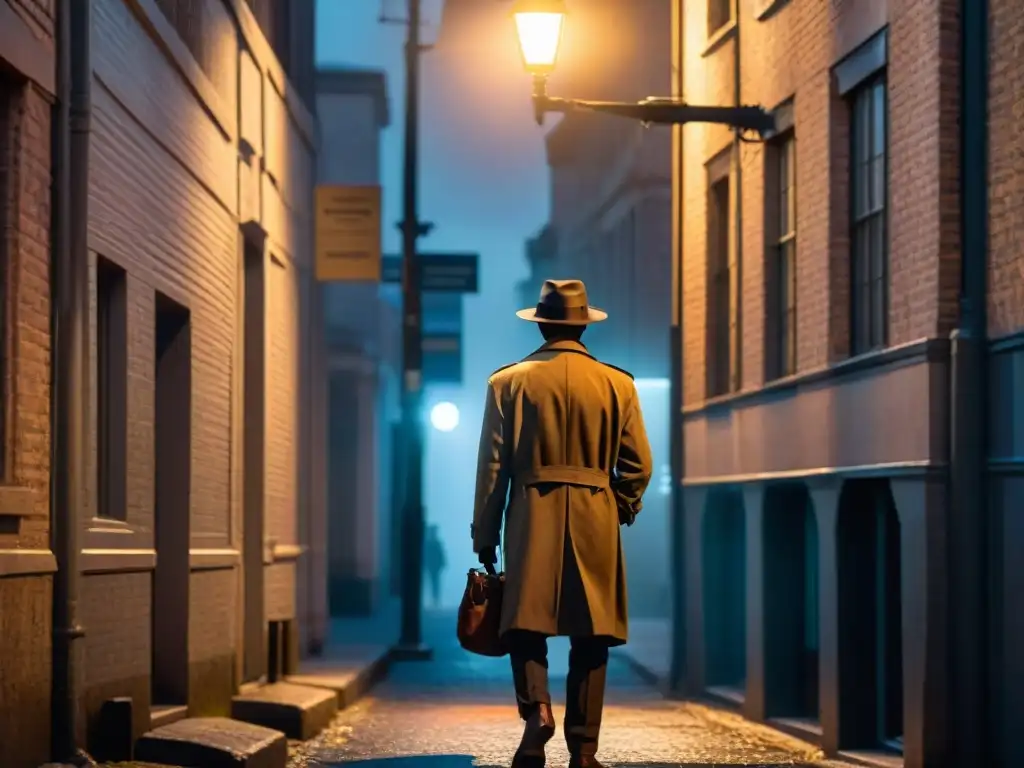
(539, 24)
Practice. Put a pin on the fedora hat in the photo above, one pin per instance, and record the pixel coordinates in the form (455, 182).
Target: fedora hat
(563, 302)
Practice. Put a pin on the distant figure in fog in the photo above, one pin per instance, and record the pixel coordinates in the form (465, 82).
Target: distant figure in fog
(434, 562)
(564, 442)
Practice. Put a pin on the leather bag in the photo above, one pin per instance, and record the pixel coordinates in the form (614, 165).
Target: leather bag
(479, 628)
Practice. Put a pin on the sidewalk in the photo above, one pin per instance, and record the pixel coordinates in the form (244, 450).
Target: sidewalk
(649, 650)
(355, 656)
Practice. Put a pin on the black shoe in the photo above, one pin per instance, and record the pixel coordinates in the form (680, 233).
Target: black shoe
(584, 761)
(540, 727)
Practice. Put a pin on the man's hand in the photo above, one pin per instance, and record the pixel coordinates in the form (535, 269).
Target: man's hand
(488, 556)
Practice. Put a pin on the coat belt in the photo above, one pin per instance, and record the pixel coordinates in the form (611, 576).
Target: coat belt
(591, 478)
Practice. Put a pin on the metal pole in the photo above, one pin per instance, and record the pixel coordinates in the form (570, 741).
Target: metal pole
(677, 450)
(70, 382)
(968, 526)
(410, 641)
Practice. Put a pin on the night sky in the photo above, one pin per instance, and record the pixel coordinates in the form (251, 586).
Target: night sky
(483, 183)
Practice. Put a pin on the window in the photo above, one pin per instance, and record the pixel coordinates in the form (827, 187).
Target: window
(781, 268)
(869, 254)
(111, 389)
(719, 14)
(186, 16)
(723, 304)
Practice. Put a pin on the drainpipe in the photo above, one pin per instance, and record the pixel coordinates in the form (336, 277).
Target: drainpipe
(677, 452)
(968, 531)
(70, 343)
(736, 203)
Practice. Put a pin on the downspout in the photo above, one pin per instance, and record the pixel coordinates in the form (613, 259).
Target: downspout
(70, 389)
(677, 448)
(968, 525)
(736, 204)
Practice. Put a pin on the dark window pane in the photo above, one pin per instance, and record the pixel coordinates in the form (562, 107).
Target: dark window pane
(878, 183)
(878, 119)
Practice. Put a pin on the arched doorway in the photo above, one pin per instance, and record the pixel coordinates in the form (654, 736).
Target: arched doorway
(870, 617)
(790, 542)
(724, 564)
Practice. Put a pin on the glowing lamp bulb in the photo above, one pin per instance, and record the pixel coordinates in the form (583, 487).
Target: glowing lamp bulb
(539, 25)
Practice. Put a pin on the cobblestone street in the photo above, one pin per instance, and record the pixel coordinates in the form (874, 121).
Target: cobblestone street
(458, 709)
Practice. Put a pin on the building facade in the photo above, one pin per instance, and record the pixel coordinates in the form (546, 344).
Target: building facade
(204, 478)
(844, 539)
(27, 90)
(610, 193)
(362, 327)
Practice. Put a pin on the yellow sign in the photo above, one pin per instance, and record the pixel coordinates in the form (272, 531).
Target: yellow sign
(348, 240)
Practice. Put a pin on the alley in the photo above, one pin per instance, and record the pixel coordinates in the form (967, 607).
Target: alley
(458, 708)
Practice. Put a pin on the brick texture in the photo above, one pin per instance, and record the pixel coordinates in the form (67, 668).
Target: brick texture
(790, 54)
(1006, 173)
(26, 242)
(38, 14)
(25, 619)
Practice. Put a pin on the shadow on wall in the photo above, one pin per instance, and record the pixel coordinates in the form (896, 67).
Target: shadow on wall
(468, 761)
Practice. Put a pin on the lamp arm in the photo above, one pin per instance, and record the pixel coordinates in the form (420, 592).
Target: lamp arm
(663, 112)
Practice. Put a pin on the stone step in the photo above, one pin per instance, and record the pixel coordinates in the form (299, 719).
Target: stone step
(299, 711)
(350, 676)
(213, 742)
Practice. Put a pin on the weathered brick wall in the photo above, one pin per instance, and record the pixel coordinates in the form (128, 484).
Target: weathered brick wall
(25, 639)
(790, 53)
(163, 198)
(1006, 173)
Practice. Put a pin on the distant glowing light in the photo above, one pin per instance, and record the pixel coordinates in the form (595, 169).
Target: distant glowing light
(444, 417)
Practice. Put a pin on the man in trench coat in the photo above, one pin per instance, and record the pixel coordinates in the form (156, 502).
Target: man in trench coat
(564, 459)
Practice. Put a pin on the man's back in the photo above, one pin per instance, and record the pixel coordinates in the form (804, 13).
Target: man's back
(564, 408)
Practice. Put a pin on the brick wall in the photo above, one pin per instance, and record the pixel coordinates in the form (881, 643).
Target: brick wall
(1006, 175)
(25, 641)
(790, 54)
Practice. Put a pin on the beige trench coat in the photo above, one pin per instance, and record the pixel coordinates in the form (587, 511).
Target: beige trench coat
(563, 446)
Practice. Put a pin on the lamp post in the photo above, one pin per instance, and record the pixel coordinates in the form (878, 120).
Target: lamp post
(539, 24)
(410, 643)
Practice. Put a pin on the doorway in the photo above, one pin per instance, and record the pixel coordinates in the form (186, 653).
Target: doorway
(791, 603)
(172, 442)
(870, 617)
(254, 664)
(724, 547)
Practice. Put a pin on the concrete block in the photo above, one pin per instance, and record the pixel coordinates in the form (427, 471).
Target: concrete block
(213, 742)
(300, 711)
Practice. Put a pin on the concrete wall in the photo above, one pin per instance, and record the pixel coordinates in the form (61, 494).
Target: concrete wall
(26, 563)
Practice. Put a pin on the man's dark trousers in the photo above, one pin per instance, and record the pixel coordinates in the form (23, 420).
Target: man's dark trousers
(585, 684)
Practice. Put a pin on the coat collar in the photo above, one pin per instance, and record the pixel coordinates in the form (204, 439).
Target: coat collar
(561, 345)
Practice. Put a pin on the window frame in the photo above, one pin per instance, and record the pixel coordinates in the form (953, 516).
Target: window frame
(715, 24)
(722, 370)
(111, 296)
(870, 295)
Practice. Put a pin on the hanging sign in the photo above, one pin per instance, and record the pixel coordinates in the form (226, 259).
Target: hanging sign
(348, 237)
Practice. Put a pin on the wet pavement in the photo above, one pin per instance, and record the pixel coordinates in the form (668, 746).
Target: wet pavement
(458, 711)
